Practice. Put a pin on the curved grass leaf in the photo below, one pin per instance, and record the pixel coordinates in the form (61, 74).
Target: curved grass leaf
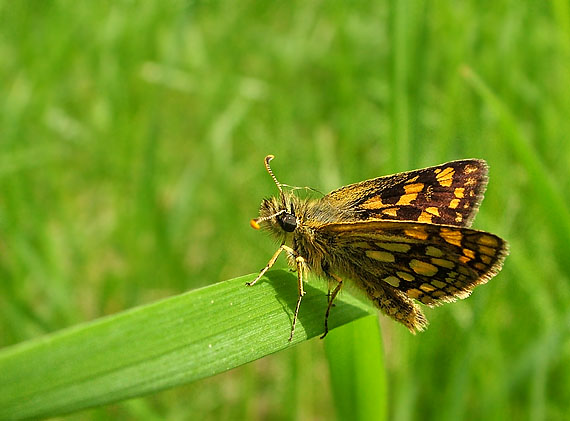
(153, 347)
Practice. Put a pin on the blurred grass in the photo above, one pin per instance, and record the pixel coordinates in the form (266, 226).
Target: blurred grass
(131, 144)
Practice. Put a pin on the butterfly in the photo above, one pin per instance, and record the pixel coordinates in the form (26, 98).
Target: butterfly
(400, 238)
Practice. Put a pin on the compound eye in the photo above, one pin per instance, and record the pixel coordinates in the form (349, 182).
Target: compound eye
(288, 222)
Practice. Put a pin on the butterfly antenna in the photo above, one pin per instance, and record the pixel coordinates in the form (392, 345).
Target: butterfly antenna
(255, 222)
(267, 159)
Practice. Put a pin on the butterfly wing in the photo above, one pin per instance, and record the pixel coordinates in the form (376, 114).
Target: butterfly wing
(397, 261)
(447, 194)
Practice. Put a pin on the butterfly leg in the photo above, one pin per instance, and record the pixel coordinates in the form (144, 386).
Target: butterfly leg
(299, 262)
(330, 301)
(329, 295)
(270, 263)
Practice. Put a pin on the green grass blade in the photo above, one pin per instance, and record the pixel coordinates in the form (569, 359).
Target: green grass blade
(358, 376)
(160, 345)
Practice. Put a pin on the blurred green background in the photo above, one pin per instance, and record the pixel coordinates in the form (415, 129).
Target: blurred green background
(132, 137)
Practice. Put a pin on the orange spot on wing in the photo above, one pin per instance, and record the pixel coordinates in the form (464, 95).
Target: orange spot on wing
(487, 250)
(374, 203)
(443, 262)
(413, 188)
(470, 169)
(390, 212)
(488, 240)
(433, 210)
(445, 177)
(469, 253)
(425, 217)
(451, 236)
(427, 287)
(423, 268)
(414, 293)
(418, 233)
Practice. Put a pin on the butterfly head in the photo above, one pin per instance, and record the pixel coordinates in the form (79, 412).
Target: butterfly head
(278, 212)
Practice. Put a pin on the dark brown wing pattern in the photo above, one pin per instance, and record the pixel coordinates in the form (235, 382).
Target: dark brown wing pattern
(447, 194)
(429, 263)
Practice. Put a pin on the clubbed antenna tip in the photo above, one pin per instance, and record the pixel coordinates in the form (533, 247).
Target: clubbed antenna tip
(267, 159)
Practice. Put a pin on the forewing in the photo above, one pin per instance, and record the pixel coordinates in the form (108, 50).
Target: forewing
(447, 194)
(430, 263)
